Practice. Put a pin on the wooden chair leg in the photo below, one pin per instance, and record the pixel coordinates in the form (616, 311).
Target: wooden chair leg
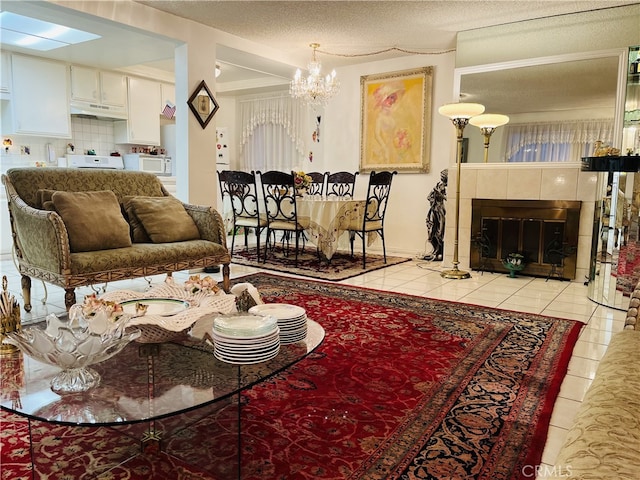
(69, 297)
(25, 283)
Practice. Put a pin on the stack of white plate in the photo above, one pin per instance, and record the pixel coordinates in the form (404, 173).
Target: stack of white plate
(245, 339)
(292, 320)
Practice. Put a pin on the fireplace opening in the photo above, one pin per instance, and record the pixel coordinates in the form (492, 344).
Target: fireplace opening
(545, 232)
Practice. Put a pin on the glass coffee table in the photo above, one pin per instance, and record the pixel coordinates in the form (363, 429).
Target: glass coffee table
(151, 396)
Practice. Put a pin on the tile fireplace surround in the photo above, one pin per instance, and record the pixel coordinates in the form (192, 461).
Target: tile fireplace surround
(520, 181)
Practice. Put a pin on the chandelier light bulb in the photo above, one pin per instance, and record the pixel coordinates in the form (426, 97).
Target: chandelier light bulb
(314, 89)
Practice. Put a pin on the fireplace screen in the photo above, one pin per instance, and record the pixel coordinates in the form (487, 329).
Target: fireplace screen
(545, 232)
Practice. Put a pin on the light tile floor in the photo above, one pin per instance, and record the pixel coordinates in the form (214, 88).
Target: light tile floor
(534, 295)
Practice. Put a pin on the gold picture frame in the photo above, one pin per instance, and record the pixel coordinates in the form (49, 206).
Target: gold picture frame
(395, 113)
(203, 104)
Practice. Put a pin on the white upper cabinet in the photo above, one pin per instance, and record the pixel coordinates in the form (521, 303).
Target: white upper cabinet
(40, 97)
(143, 124)
(85, 85)
(5, 73)
(95, 86)
(113, 89)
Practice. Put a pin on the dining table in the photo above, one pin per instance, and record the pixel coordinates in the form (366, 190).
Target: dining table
(327, 218)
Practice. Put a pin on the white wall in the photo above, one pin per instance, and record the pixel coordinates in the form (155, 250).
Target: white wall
(405, 227)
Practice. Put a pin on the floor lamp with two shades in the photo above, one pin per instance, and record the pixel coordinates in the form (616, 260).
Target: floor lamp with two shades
(461, 114)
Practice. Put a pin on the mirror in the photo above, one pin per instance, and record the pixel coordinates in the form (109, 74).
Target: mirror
(615, 267)
(547, 89)
(203, 104)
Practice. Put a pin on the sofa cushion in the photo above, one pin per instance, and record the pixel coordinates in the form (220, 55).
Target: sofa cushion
(604, 439)
(164, 219)
(43, 199)
(138, 233)
(93, 220)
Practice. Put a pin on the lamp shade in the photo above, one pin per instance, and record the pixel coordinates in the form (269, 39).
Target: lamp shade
(489, 120)
(461, 110)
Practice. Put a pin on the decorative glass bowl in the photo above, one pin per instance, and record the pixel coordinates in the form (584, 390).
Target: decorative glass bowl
(83, 338)
(514, 262)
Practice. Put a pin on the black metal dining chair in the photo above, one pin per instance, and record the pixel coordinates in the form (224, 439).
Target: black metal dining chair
(240, 188)
(376, 206)
(279, 193)
(317, 185)
(341, 184)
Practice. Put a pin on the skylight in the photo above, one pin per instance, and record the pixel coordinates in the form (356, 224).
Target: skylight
(20, 31)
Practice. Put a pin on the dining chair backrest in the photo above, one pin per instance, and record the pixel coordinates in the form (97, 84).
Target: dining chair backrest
(378, 196)
(279, 195)
(241, 189)
(317, 183)
(222, 182)
(341, 184)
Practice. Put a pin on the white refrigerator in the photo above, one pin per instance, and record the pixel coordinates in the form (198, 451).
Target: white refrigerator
(222, 156)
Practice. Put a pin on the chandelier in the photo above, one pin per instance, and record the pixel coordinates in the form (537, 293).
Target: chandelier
(315, 89)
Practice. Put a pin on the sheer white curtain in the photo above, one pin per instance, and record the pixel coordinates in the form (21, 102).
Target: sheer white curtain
(566, 141)
(272, 133)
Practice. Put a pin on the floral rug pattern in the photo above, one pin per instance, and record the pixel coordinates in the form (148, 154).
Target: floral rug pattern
(341, 267)
(402, 387)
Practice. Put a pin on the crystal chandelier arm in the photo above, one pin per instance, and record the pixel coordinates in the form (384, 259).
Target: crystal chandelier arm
(314, 89)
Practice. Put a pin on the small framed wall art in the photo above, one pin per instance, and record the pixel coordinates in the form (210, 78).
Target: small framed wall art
(203, 104)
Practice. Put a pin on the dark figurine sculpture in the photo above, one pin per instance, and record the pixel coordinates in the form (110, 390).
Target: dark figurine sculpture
(436, 217)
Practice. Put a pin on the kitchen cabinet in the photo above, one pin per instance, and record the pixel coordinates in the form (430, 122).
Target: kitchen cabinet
(143, 124)
(5, 74)
(101, 87)
(39, 97)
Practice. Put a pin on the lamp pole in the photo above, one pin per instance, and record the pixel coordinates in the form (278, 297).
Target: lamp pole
(459, 113)
(487, 123)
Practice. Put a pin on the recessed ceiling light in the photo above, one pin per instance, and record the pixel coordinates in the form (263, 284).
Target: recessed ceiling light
(26, 32)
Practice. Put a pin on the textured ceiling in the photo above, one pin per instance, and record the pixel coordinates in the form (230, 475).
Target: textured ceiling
(348, 32)
(347, 28)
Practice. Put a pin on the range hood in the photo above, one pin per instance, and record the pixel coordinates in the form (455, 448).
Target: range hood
(98, 111)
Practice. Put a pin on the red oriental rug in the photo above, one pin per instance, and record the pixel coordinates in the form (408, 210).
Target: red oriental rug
(627, 272)
(403, 387)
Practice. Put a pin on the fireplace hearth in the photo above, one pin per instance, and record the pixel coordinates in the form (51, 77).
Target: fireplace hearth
(545, 232)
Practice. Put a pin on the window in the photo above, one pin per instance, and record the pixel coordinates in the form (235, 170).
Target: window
(557, 141)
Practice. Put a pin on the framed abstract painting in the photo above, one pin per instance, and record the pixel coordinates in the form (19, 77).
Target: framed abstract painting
(395, 112)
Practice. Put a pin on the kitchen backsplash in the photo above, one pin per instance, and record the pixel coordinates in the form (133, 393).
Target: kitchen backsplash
(88, 134)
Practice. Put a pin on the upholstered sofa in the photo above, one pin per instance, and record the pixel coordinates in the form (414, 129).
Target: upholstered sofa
(603, 442)
(77, 227)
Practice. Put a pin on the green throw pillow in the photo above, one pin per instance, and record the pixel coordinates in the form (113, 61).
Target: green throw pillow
(43, 198)
(138, 233)
(93, 220)
(164, 219)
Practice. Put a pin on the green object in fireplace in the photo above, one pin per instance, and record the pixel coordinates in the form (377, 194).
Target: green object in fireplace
(514, 262)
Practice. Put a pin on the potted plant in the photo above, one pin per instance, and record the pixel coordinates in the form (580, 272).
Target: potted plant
(514, 262)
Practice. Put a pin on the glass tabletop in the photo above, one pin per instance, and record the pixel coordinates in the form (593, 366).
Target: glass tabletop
(143, 382)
